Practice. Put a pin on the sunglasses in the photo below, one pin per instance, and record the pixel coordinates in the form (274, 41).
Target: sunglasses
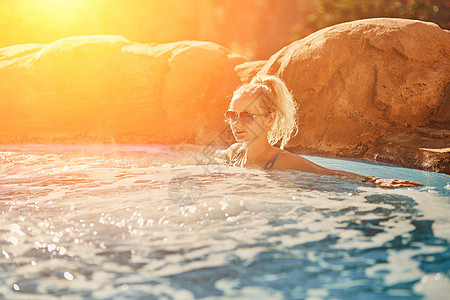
(246, 117)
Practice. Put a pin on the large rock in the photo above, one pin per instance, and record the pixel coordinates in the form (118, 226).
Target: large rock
(375, 88)
(106, 88)
(359, 82)
(427, 149)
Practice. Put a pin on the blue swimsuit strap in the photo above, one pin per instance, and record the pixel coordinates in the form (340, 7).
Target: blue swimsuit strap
(272, 161)
(235, 159)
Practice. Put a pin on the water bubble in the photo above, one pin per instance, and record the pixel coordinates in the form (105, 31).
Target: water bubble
(68, 276)
(13, 240)
(15, 228)
(16, 287)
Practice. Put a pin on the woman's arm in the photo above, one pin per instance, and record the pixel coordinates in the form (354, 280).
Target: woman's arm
(296, 162)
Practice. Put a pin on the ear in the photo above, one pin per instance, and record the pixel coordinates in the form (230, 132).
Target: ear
(271, 119)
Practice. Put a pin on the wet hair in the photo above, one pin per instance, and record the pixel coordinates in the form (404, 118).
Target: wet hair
(276, 98)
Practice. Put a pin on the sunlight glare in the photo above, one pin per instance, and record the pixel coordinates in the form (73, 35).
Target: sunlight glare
(54, 16)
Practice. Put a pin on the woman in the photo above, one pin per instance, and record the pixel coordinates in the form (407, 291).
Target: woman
(261, 114)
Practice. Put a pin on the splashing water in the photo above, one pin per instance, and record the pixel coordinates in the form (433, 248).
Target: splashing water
(130, 221)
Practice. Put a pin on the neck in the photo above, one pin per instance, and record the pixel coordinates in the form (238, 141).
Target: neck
(258, 151)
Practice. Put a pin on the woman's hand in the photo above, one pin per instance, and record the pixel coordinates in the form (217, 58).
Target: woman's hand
(391, 183)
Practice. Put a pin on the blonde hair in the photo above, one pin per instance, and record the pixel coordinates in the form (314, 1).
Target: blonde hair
(277, 99)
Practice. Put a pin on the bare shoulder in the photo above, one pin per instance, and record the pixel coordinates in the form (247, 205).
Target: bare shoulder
(291, 161)
(288, 159)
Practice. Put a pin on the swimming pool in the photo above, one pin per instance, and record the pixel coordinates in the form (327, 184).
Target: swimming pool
(146, 222)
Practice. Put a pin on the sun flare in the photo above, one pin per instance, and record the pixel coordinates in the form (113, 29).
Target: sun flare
(40, 9)
(55, 17)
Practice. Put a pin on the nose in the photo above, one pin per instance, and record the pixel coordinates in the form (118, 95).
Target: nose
(236, 122)
(239, 124)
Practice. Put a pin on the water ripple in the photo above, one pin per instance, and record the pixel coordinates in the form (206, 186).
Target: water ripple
(140, 222)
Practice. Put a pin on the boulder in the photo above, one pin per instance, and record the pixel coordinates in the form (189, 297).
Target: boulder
(427, 149)
(246, 71)
(360, 82)
(375, 88)
(108, 89)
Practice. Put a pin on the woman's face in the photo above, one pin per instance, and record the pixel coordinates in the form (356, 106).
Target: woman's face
(243, 129)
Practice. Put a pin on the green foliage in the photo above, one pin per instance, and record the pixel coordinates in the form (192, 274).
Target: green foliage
(331, 12)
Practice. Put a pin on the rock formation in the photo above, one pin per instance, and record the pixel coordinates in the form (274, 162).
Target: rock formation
(375, 88)
(360, 84)
(106, 88)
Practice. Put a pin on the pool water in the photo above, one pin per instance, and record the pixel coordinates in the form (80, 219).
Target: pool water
(148, 222)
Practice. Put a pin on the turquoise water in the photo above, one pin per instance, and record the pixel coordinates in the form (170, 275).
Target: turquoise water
(147, 222)
(432, 179)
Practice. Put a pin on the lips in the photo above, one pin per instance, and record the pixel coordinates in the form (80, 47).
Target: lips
(240, 132)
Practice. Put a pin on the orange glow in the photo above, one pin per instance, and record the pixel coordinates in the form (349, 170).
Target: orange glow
(237, 25)
(53, 8)
(57, 18)
(44, 21)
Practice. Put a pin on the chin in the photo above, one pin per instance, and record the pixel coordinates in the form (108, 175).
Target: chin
(240, 137)
(242, 140)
